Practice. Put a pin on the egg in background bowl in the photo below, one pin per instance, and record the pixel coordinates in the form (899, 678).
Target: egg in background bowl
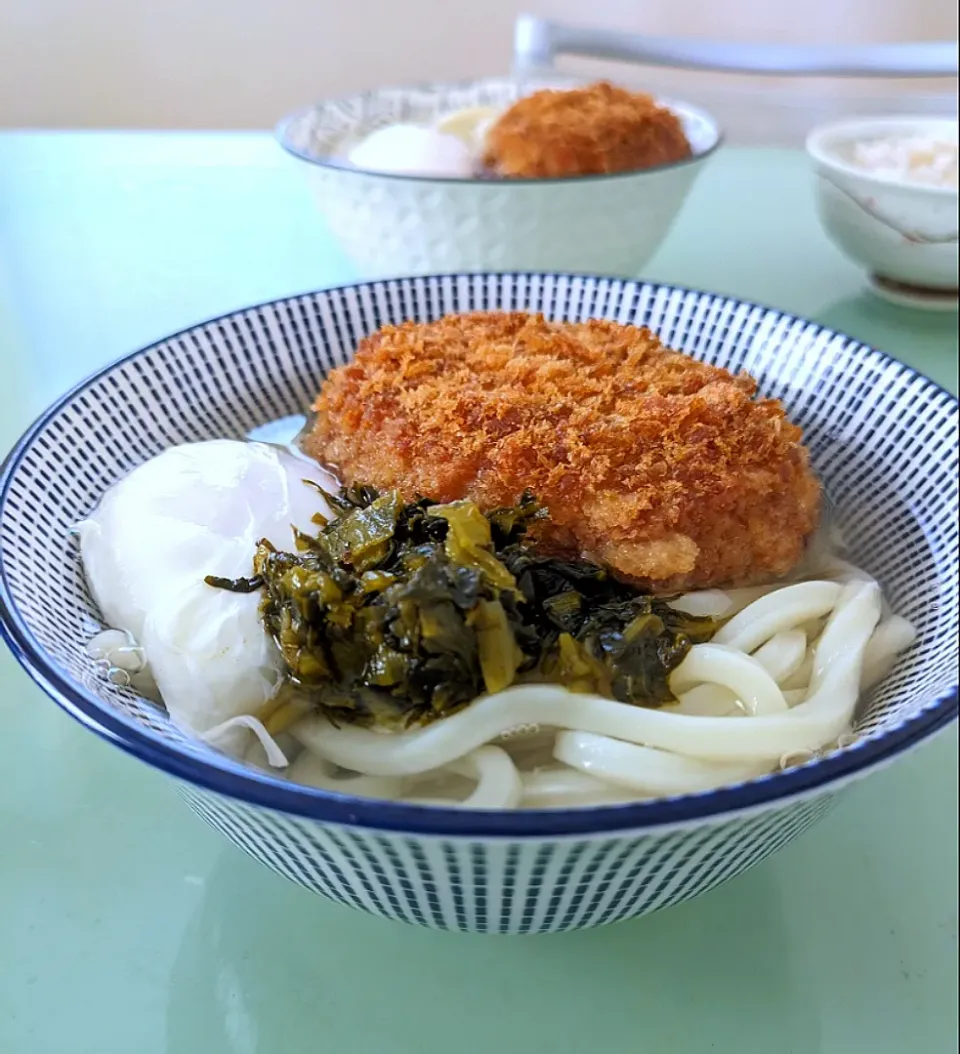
(393, 223)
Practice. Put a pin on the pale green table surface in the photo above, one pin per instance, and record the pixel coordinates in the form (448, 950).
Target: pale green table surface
(128, 927)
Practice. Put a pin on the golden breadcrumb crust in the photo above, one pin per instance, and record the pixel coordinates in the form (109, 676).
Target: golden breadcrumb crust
(587, 131)
(663, 468)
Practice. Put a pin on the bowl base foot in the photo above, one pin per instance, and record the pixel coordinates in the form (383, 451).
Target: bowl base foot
(928, 298)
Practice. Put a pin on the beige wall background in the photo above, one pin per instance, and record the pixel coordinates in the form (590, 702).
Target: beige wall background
(244, 63)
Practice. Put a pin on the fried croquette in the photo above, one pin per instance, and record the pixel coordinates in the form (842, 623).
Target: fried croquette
(587, 131)
(667, 470)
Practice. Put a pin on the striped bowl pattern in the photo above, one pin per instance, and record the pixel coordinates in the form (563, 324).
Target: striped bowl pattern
(883, 439)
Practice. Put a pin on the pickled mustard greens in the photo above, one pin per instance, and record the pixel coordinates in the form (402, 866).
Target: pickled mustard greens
(396, 613)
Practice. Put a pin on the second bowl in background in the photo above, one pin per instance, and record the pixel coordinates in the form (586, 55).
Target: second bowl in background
(403, 224)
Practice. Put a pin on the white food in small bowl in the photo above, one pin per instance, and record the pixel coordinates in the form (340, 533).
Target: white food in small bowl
(391, 220)
(920, 160)
(887, 196)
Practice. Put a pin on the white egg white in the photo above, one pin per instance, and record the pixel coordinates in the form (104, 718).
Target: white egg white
(407, 149)
(192, 511)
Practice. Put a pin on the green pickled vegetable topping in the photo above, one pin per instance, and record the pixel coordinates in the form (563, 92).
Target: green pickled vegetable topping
(398, 613)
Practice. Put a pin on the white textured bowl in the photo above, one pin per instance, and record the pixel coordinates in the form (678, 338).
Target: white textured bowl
(391, 224)
(901, 232)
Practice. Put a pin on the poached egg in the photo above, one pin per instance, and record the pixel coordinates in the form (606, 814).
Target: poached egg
(192, 511)
(408, 149)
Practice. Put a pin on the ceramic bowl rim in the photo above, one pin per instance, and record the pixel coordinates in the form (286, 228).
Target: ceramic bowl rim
(230, 778)
(283, 126)
(851, 128)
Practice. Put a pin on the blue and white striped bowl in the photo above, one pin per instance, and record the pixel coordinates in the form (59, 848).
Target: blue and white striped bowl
(883, 438)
